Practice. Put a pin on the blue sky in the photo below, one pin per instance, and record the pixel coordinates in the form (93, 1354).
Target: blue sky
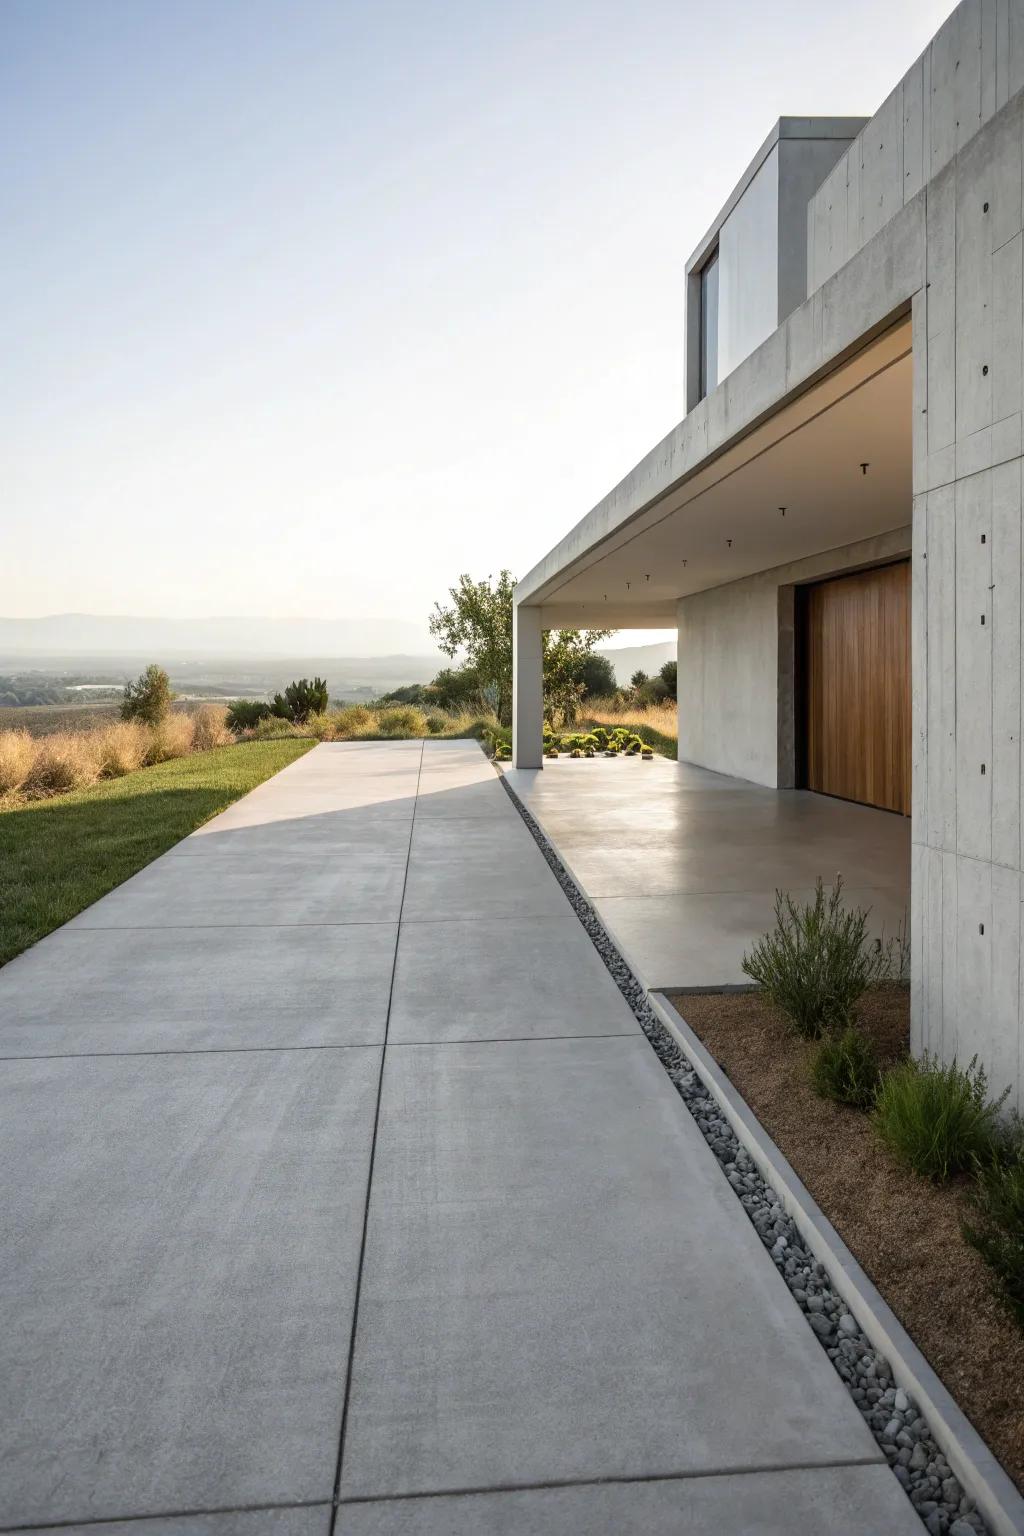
(306, 307)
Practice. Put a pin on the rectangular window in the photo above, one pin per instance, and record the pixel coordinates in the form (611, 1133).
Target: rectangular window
(709, 325)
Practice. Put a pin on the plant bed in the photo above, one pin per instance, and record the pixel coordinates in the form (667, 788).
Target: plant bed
(903, 1229)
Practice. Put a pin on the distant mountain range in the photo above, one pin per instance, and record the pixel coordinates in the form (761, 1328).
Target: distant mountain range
(370, 653)
(99, 634)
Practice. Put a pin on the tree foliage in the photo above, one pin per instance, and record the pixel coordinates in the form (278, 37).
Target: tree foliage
(149, 698)
(300, 700)
(477, 624)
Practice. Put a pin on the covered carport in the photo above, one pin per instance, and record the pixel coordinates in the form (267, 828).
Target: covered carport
(789, 674)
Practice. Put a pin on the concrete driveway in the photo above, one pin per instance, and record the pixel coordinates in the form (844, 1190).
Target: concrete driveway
(342, 1193)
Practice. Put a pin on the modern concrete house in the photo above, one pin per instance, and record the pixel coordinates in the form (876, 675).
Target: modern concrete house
(835, 525)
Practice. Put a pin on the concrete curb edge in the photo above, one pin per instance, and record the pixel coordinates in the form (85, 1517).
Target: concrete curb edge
(970, 1458)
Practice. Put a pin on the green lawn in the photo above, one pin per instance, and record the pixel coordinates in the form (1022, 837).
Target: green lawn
(57, 856)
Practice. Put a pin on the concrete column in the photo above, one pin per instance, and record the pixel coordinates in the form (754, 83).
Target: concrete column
(679, 671)
(527, 689)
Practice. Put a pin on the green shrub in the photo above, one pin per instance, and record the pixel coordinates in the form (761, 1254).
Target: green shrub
(845, 1068)
(149, 698)
(938, 1119)
(997, 1230)
(817, 961)
(243, 714)
(300, 700)
(402, 721)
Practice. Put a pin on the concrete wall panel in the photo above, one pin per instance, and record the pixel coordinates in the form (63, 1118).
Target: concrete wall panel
(881, 147)
(914, 176)
(1005, 599)
(974, 666)
(940, 773)
(1001, 1042)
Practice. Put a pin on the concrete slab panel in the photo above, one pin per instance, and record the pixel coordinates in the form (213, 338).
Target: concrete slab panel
(236, 890)
(85, 990)
(483, 799)
(332, 832)
(502, 979)
(177, 1278)
(311, 1520)
(545, 1298)
(833, 1501)
(698, 940)
(462, 868)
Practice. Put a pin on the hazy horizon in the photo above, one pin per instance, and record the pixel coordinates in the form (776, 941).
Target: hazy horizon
(312, 306)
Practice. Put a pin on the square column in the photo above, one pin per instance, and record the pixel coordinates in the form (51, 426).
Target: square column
(527, 689)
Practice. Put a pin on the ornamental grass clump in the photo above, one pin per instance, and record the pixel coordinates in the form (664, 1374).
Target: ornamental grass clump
(996, 1228)
(17, 754)
(403, 720)
(845, 1068)
(817, 961)
(937, 1117)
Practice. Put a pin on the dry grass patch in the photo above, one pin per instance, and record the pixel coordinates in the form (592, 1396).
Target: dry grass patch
(904, 1230)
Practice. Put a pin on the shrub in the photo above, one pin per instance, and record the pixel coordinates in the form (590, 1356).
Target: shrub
(938, 1119)
(320, 727)
(668, 677)
(816, 962)
(63, 760)
(300, 700)
(244, 714)
(845, 1068)
(997, 1230)
(17, 754)
(173, 737)
(438, 724)
(121, 748)
(352, 720)
(209, 728)
(403, 720)
(149, 698)
(274, 727)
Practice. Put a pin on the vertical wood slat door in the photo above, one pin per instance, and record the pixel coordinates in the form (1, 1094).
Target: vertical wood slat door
(857, 687)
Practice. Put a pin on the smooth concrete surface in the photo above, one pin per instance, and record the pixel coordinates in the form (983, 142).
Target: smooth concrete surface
(552, 1254)
(506, 982)
(309, 1520)
(833, 1501)
(213, 988)
(555, 1283)
(182, 1237)
(683, 864)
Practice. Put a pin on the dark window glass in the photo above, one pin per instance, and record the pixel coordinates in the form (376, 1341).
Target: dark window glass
(709, 326)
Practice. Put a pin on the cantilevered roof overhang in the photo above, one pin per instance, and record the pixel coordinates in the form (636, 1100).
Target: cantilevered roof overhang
(684, 521)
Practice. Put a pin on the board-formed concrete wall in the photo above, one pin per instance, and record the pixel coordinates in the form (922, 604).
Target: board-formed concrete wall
(735, 669)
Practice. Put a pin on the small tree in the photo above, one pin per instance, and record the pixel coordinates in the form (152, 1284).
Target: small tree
(566, 655)
(668, 677)
(598, 676)
(300, 700)
(149, 698)
(638, 679)
(478, 624)
(456, 688)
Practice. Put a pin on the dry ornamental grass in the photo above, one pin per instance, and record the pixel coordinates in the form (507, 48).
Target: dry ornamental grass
(38, 767)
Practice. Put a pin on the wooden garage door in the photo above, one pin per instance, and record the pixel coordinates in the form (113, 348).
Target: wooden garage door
(856, 673)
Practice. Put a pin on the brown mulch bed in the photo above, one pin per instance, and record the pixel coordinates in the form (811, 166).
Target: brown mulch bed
(904, 1230)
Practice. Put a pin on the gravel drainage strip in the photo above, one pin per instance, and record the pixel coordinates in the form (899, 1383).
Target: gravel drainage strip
(889, 1412)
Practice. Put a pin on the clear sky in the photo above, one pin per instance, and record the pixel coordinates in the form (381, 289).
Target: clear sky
(307, 306)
